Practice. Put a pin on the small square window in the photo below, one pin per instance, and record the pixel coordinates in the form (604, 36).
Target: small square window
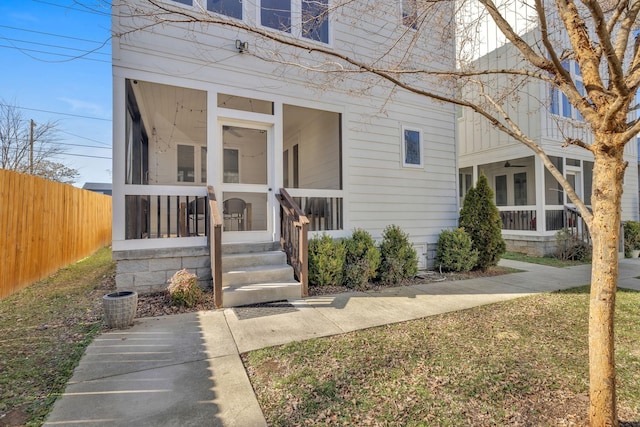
(411, 147)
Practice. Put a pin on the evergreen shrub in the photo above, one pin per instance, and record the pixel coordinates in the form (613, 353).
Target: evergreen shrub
(480, 218)
(631, 237)
(326, 261)
(399, 258)
(455, 252)
(362, 259)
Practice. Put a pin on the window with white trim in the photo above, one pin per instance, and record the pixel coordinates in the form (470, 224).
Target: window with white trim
(308, 19)
(410, 13)
(412, 147)
(560, 105)
(230, 8)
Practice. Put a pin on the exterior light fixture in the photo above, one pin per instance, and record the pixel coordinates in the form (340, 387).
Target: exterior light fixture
(242, 46)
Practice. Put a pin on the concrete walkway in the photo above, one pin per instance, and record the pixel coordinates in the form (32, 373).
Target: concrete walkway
(185, 370)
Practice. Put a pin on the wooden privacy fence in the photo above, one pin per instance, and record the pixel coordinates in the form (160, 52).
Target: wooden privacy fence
(46, 225)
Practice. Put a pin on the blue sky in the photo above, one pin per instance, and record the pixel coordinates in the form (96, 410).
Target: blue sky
(40, 41)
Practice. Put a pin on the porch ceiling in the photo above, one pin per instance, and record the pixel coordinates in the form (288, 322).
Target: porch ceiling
(176, 114)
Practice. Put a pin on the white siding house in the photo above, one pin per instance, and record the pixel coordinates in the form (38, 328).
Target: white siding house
(199, 104)
(532, 203)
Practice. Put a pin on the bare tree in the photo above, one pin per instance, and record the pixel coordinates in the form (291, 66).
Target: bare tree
(539, 36)
(28, 147)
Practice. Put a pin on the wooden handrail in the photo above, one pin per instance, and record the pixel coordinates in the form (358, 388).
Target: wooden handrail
(215, 246)
(294, 228)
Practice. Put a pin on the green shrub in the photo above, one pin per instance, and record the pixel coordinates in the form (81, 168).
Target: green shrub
(184, 289)
(362, 259)
(455, 251)
(570, 248)
(480, 218)
(398, 257)
(631, 237)
(326, 261)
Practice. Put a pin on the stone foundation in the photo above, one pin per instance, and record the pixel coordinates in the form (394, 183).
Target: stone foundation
(531, 245)
(148, 270)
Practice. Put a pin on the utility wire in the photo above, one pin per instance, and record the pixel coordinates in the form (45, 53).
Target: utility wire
(83, 155)
(55, 112)
(54, 35)
(52, 45)
(71, 57)
(88, 139)
(84, 8)
(81, 145)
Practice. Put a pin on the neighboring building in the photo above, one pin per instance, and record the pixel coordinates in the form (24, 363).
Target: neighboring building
(194, 106)
(98, 187)
(532, 203)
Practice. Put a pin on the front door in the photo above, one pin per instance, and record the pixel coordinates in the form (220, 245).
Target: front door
(247, 182)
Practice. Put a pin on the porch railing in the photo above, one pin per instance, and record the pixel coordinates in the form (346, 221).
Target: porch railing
(323, 208)
(567, 217)
(166, 213)
(215, 245)
(524, 219)
(294, 226)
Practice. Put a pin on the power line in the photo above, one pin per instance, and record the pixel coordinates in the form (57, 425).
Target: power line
(52, 45)
(55, 35)
(88, 139)
(81, 145)
(55, 112)
(84, 155)
(85, 8)
(71, 57)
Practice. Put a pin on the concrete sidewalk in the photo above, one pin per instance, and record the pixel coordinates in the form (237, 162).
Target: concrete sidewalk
(185, 370)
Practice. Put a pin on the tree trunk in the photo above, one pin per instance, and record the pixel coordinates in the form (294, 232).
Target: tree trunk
(605, 232)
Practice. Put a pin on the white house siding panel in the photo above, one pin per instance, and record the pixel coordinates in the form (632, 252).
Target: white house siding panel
(378, 190)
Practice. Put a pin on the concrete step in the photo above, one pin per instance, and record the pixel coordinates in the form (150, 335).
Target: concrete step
(237, 295)
(245, 248)
(257, 274)
(232, 262)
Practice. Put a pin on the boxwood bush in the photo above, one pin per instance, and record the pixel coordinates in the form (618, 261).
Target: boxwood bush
(455, 252)
(399, 258)
(326, 261)
(362, 259)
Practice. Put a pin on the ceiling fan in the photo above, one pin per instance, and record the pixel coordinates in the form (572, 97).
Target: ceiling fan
(507, 164)
(232, 130)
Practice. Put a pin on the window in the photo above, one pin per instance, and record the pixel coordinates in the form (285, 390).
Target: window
(560, 105)
(315, 20)
(501, 190)
(276, 14)
(231, 166)
(553, 194)
(285, 169)
(588, 181)
(308, 19)
(230, 8)
(410, 13)
(203, 165)
(186, 163)
(520, 188)
(187, 2)
(411, 147)
(296, 172)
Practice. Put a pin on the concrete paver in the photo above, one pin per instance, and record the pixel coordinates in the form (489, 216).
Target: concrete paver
(185, 370)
